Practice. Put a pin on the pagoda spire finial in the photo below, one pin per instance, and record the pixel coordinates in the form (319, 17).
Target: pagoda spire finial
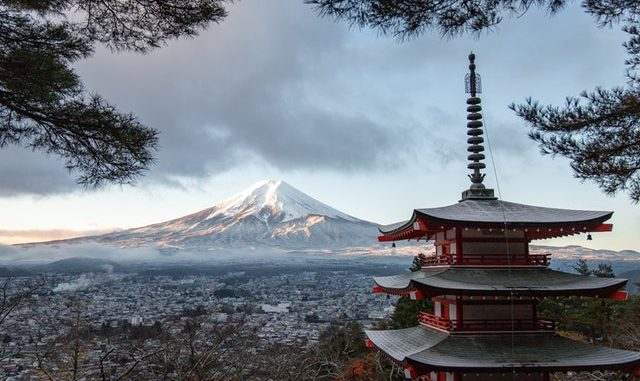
(473, 87)
(472, 80)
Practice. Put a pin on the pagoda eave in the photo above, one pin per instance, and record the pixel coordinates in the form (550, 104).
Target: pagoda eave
(427, 351)
(423, 230)
(539, 222)
(535, 282)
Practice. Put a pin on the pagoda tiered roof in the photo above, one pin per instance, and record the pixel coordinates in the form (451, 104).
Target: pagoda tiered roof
(498, 281)
(428, 350)
(485, 284)
(539, 222)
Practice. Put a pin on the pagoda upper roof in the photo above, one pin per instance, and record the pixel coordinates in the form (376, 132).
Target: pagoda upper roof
(494, 213)
(429, 350)
(498, 281)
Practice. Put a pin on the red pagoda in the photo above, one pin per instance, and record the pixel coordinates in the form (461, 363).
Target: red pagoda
(485, 286)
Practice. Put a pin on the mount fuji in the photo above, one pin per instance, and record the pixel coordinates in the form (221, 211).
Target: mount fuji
(274, 215)
(267, 214)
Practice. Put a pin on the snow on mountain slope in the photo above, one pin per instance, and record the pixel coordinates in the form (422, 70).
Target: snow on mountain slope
(271, 213)
(274, 201)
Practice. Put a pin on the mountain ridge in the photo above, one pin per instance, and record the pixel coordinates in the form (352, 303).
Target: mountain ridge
(272, 214)
(269, 213)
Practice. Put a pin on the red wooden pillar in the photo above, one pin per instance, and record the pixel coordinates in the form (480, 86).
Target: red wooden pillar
(444, 310)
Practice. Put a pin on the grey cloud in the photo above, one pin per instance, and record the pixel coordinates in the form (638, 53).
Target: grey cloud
(277, 85)
(510, 139)
(25, 171)
(243, 91)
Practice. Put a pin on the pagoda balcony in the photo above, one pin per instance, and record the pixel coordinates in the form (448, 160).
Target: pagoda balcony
(430, 320)
(485, 325)
(487, 260)
(436, 260)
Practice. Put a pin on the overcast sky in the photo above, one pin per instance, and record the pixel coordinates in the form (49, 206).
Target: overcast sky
(361, 122)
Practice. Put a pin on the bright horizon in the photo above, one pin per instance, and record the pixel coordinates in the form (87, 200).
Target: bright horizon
(367, 125)
(52, 235)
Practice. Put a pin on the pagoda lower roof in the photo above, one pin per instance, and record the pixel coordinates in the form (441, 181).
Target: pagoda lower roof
(498, 281)
(430, 351)
(497, 213)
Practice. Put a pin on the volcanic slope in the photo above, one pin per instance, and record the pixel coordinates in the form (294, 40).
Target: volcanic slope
(269, 213)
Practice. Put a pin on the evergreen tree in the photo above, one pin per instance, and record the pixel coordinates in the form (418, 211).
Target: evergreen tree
(582, 267)
(604, 270)
(592, 318)
(406, 312)
(416, 265)
(43, 105)
(599, 132)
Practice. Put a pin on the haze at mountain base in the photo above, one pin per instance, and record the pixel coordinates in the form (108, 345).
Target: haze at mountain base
(268, 214)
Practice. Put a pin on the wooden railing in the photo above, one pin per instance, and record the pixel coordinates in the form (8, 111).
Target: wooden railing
(487, 260)
(435, 260)
(539, 259)
(489, 325)
(431, 320)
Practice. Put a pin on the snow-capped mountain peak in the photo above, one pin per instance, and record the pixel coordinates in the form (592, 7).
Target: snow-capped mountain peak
(274, 201)
(268, 213)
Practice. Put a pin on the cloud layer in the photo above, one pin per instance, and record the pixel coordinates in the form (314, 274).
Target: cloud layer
(245, 90)
(278, 86)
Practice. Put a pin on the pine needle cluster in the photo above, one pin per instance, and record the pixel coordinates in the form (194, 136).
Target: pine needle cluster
(43, 104)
